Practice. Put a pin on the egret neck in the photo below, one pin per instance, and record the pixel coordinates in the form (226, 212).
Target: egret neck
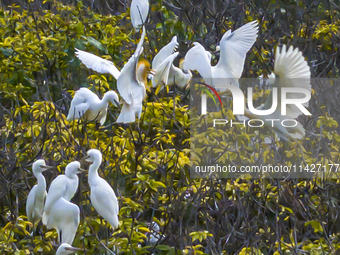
(93, 171)
(41, 185)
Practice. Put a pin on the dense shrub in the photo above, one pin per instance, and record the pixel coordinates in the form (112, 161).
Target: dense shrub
(149, 167)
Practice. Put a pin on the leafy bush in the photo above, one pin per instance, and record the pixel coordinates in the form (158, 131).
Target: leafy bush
(149, 168)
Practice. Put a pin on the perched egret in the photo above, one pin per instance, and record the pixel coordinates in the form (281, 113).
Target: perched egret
(233, 49)
(86, 103)
(102, 195)
(64, 185)
(64, 217)
(131, 80)
(65, 249)
(36, 198)
(165, 72)
(139, 13)
(292, 70)
(59, 212)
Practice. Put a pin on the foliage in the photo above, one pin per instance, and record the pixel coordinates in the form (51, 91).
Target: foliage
(149, 167)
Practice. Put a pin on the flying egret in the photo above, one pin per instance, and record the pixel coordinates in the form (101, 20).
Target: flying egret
(86, 103)
(65, 249)
(36, 198)
(64, 185)
(165, 72)
(292, 70)
(139, 13)
(233, 49)
(102, 195)
(131, 80)
(59, 212)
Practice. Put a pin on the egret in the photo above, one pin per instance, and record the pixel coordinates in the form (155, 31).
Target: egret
(139, 12)
(59, 212)
(102, 195)
(64, 185)
(287, 65)
(65, 249)
(36, 198)
(88, 105)
(131, 80)
(131, 85)
(233, 49)
(165, 72)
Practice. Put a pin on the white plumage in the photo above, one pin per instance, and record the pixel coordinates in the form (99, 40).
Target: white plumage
(131, 85)
(65, 249)
(36, 198)
(233, 49)
(59, 213)
(292, 70)
(97, 64)
(139, 13)
(166, 73)
(102, 195)
(64, 185)
(64, 217)
(88, 105)
(130, 82)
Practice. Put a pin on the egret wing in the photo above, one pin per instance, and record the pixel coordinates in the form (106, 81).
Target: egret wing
(291, 70)
(164, 53)
(30, 201)
(163, 70)
(127, 82)
(105, 202)
(56, 191)
(234, 47)
(97, 64)
(139, 13)
(197, 58)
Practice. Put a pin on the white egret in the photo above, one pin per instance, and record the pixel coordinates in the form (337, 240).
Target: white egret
(139, 13)
(64, 216)
(233, 49)
(131, 80)
(64, 185)
(131, 85)
(87, 104)
(36, 198)
(65, 249)
(292, 70)
(102, 195)
(59, 213)
(165, 72)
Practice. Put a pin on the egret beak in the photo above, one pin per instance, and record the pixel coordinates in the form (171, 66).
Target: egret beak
(47, 167)
(85, 158)
(152, 72)
(73, 249)
(81, 170)
(116, 102)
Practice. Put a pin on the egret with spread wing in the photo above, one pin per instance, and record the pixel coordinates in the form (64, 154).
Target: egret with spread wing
(166, 73)
(131, 85)
(102, 196)
(233, 49)
(290, 70)
(36, 198)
